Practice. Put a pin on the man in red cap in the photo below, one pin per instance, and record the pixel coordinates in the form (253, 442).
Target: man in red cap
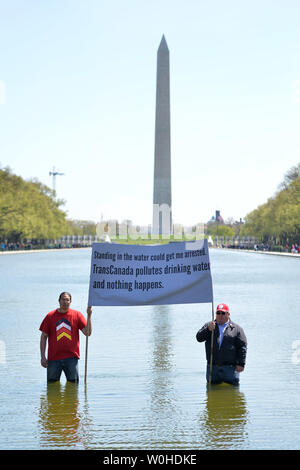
(229, 347)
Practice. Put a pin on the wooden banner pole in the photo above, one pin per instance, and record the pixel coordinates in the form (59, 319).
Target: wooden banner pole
(211, 345)
(86, 356)
(86, 349)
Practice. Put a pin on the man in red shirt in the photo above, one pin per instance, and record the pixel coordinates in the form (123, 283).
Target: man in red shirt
(61, 328)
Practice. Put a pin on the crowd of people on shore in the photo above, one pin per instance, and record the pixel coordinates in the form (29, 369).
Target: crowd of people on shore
(295, 248)
(15, 246)
(20, 246)
(33, 246)
(261, 247)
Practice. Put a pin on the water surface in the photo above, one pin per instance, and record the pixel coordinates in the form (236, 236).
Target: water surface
(146, 372)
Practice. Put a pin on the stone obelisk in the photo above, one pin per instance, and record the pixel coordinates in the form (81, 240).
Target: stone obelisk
(162, 194)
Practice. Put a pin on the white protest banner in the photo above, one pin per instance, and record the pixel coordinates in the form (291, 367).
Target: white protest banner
(173, 273)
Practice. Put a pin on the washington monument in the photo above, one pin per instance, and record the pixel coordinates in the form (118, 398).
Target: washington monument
(162, 193)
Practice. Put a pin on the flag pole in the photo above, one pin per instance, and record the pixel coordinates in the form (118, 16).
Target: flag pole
(86, 348)
(211, 344)
(86, 355)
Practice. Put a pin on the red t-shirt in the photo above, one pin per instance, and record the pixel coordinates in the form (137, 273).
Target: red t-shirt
(63, 333)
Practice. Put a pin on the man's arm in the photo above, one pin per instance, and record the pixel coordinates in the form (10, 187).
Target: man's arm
(43, 343)
(241, 350)
(205, 332)
(87, 331)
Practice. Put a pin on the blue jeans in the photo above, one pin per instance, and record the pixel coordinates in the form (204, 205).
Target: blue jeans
(221, 374)
(69, 366)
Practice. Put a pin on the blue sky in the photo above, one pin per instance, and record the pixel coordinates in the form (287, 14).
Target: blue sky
(77, 91)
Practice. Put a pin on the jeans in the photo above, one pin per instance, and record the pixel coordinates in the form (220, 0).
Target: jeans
(221, 374)
(69, 366)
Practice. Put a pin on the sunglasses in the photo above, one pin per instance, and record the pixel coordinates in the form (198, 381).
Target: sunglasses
(221, 313)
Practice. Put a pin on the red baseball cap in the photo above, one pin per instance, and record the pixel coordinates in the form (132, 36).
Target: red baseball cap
(222, 308)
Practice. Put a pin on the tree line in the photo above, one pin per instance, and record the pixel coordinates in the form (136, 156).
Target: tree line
(278, 220)
(30, 210)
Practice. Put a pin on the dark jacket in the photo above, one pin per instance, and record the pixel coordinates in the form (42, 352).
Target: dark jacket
(233, 348)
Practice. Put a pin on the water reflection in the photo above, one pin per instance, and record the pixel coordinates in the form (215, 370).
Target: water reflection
(86, 422)
(59, 417)
(162, 346)
(224, 418)
(161, 355)
(162, 395)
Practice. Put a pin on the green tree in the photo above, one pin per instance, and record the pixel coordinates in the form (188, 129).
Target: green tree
(278, 220)
(291, 175)
(28, 209)
(80, 227)
(220, 230)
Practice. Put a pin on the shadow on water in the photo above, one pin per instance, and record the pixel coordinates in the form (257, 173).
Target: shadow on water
(224, 418)
(60, 420)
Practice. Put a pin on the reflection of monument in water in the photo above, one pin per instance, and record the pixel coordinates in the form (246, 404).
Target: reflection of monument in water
(163, 397)
(162, 194)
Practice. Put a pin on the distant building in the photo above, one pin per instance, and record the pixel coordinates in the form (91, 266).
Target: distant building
(219, 218)
(216, 218)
